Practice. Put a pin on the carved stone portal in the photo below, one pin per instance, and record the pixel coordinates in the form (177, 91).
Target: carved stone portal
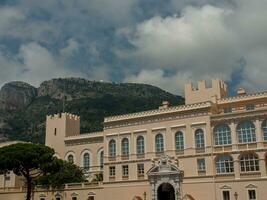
(165, 179)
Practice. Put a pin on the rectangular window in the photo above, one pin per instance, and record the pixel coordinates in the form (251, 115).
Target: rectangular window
(112, 171)
(140, 169)
(201, 164)
(226, 195)
(252, 194)
(74, 198)
(227, 110)
(7, 178)
(125, 170)
(250, 107)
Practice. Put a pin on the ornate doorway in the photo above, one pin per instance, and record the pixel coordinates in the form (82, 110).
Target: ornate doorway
(166, 192)
(165, 179)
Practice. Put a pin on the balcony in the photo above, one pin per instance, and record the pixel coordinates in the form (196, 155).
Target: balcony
(179, 152)
(139, 156)
(141, 176)
(201, 172)
(125, 157)
(112, 158)
(159, 154)
(200, 150)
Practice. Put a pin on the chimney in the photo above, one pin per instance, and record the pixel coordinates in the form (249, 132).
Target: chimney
(241, 92)
(165, 104)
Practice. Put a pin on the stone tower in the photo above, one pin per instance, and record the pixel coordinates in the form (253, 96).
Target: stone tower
(58, 127)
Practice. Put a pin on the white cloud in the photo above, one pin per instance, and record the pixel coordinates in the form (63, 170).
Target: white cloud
(34, 64)
(72, 46)
(195, 44)
(9, 17)
(204, 42)
(157, 77)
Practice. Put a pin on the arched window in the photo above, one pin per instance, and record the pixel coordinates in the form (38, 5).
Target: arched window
(112, 148)
(199, 138)
(125, 147)
(246, 132)
(179, 140)
(249, 162)
(86, 161)
(264, 129)
(140, 145)
(159, 141)
(71, 158)
(222, 135)
(101, 159)
(224, 164)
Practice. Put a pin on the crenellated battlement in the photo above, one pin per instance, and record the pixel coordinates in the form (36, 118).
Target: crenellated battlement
(61, 125)
(63, 116)
(202, 85)
(202, 92)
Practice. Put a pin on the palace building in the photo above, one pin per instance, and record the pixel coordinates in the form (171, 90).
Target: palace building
(212, 148)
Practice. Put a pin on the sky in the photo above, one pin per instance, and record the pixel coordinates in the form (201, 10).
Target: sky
(166, 43)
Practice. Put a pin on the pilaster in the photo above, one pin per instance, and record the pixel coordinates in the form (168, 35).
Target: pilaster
(236, 166)
(234, 136)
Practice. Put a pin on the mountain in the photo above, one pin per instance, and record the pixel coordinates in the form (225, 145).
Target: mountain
(23, 107)
(15, 95)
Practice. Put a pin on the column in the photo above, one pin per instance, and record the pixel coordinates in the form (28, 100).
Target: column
(153, 185)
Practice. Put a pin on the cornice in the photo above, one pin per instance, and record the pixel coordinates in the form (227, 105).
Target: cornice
(81, 141)
(235, 99)
(166, 116)
(85, 135)
(156, 112)
(240, 115)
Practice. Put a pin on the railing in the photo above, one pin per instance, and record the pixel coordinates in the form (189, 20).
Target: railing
(40, 188)
(12, 189)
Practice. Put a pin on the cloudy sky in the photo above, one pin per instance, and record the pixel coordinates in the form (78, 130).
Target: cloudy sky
(161, 42)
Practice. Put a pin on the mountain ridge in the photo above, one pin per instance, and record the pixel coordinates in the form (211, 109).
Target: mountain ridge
(23, 107)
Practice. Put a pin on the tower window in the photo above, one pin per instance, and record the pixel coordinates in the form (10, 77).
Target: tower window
(250, 107)
(55, 131)
(227, 110)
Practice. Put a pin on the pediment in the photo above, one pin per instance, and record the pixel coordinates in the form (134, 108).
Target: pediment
(74, 194)
(58, 194)
(42, 195)
(251, 186)
(225, 187)
(91, 194)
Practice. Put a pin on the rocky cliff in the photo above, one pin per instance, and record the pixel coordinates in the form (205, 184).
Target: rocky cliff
(24, 107)
(16, 95)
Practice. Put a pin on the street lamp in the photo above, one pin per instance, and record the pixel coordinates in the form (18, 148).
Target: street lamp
(236, 195)
(144, 195)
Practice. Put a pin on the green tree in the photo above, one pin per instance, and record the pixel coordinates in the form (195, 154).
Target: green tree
(27, 160)
(60, 172)
(98, 177)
